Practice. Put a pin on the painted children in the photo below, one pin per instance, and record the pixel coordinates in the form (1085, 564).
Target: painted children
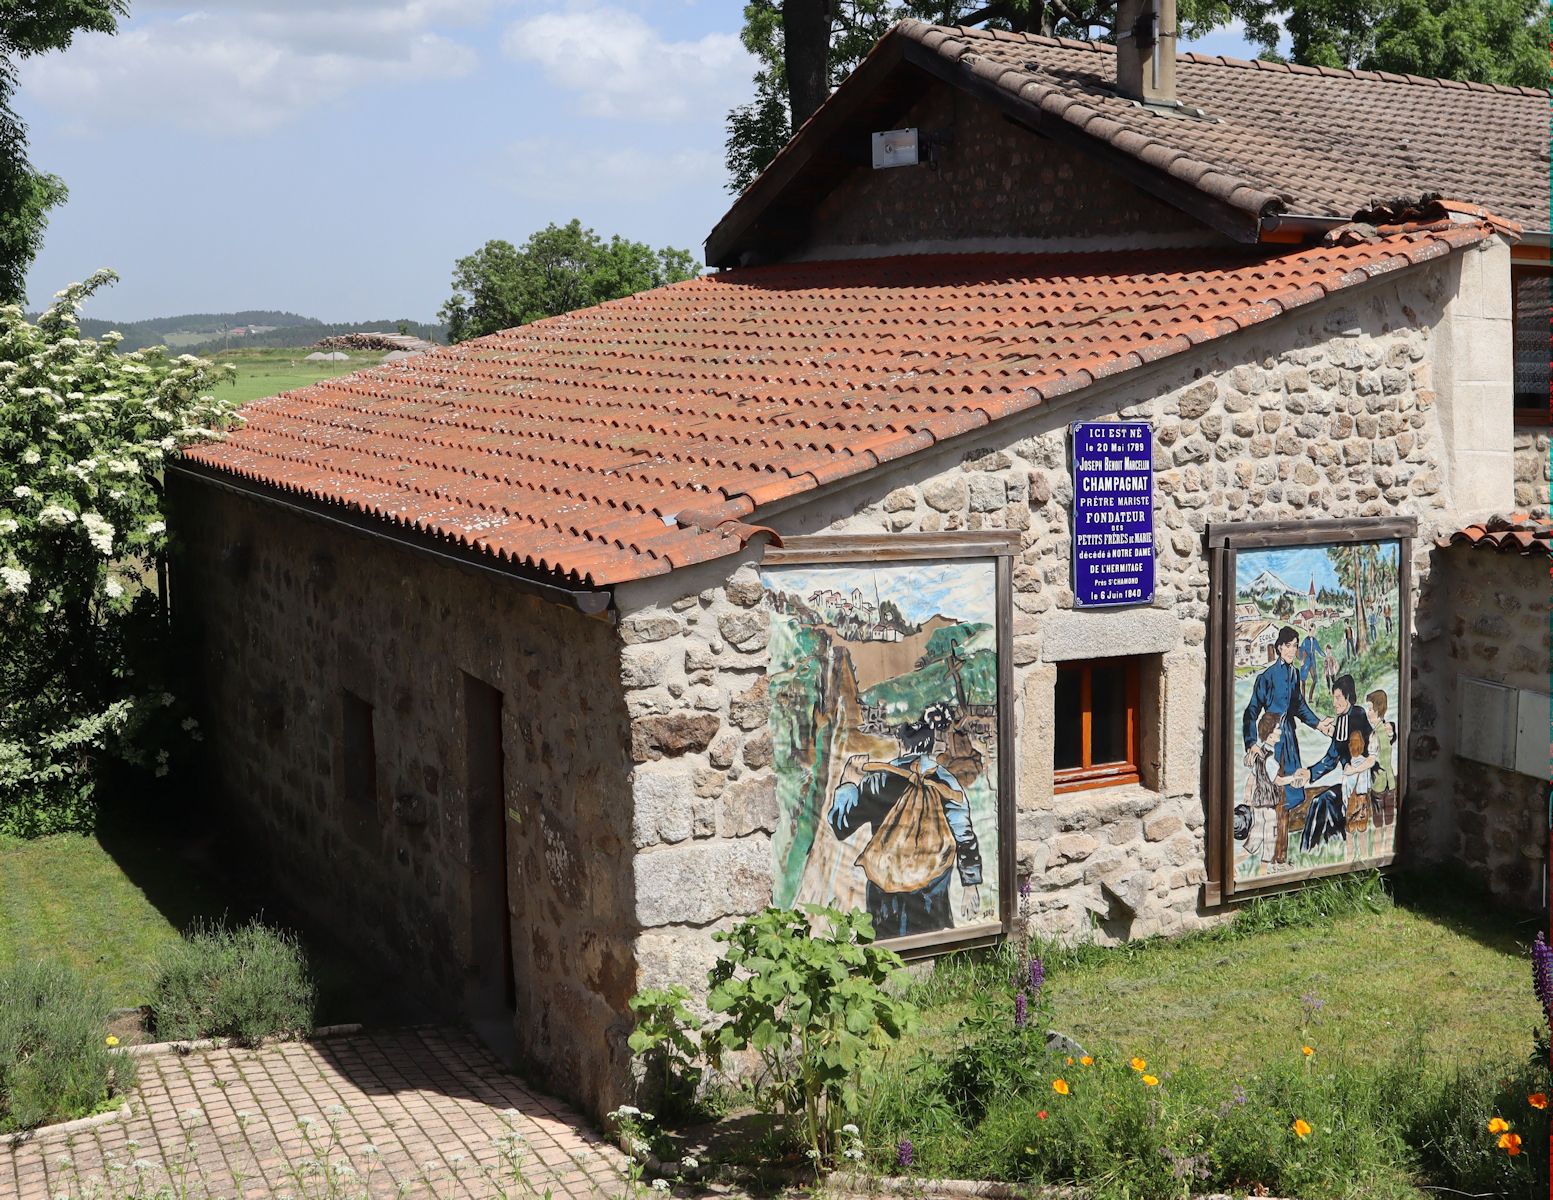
(1383, 785)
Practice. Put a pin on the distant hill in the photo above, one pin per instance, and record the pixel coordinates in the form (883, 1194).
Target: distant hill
(207, 332)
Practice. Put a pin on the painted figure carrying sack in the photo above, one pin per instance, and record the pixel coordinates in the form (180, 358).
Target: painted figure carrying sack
(912, 844)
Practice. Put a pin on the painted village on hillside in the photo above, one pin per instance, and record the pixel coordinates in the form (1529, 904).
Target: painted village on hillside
(1315, 707)
(884, 723)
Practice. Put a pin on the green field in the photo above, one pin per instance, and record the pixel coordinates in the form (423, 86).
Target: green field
(269, 372)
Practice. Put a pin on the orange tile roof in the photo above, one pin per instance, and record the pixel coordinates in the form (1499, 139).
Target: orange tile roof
(626, 440)
(1519, 533)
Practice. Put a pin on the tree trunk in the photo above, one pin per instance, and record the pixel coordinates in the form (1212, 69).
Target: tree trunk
(806, 45)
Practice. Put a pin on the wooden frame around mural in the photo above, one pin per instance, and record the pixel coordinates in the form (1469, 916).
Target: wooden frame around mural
(1224, 544)
(998, 547)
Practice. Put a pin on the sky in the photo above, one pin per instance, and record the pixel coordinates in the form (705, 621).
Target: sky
(335, 157)
(964, 591)
(1296, 567)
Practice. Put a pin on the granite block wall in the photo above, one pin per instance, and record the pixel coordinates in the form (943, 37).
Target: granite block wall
(992, 181)
(1498, 631)
(284, 613)
(1329, 413)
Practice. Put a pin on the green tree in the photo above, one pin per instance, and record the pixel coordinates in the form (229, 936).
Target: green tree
(84, 661)
(1487, 41)
(559, 269)
(28, 28)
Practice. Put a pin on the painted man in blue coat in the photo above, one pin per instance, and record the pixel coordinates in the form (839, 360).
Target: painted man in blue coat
(1279, 690)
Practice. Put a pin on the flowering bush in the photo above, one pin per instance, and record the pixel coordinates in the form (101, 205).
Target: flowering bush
(84, 432)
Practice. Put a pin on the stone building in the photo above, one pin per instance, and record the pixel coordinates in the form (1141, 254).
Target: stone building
(1496, 574)
(488, 636)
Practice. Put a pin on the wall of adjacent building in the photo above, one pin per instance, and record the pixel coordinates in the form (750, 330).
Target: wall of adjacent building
(1498, 631)
(1533, 471)
(282, 612)
(993, 185)
(1330, 412)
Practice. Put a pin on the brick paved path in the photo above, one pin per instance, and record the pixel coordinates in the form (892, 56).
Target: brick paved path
(420, 1112)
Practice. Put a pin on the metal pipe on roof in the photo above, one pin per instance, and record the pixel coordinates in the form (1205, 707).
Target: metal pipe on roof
(596, 604)
(1287, 228)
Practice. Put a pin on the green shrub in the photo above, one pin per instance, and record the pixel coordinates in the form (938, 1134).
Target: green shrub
(248, 983)
(55, 1064)
(86, 669)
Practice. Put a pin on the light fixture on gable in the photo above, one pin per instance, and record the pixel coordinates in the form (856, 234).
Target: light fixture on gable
(895, 148)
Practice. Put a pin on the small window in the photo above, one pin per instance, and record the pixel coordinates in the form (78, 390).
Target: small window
(1533, 320)
(1097, 724)
(358, 757)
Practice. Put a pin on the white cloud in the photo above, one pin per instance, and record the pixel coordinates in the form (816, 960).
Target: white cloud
(618, 65)
(248, 68)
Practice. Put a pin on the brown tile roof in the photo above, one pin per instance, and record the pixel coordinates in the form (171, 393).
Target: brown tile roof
(1519, 533)
(1307, 140)
(629, 439)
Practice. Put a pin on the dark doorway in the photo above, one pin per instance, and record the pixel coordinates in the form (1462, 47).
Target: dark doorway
(492, 999)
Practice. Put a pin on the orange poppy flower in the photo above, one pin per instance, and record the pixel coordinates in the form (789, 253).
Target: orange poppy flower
(1538, 1099)
(1060, 1086)
(1307, 1051)
(1070, 1060)
(1138, 1064)
(1497, 1125)
(1301, 1128)
(1041, 1116)
(1150, 1081)
(1510, 1143)
(1087, 1061)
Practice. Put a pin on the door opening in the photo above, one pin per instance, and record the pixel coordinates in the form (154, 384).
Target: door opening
(492, 1000)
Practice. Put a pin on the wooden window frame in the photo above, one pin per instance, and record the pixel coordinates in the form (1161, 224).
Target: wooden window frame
(1542, 414)
(1224, 542)
(1110, 774)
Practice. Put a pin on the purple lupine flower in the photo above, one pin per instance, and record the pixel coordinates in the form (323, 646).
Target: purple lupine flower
(904, 1153)
(1313, 1003)
(1542, 975)
(1021, 1009)
(1238, 1095)
(1036, 970)
(1026, 886)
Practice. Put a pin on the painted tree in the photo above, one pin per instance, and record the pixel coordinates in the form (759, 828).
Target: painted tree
(29, 28)
(1358, 569)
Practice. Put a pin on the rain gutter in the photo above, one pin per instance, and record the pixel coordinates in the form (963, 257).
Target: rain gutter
(595, 603)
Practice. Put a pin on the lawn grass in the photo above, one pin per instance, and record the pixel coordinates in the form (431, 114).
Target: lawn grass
(109, 903)
(268, 372)
(1438, 968)
(1413, 998)
(65, 898)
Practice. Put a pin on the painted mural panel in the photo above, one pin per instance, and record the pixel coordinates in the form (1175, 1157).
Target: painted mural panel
(884, 722)
(1317, 640)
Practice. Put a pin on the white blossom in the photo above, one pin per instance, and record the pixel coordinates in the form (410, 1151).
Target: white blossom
(155, 528)
(98, 531)
(7, 525)
(114, 588)
(16, 579)
(55, 515)
(30, 456)
(21, 491)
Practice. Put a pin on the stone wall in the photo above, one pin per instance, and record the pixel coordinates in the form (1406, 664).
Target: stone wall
(1532, 471)
(284, 611)
(993, 182)
(1499, 632)
(1327, 413)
